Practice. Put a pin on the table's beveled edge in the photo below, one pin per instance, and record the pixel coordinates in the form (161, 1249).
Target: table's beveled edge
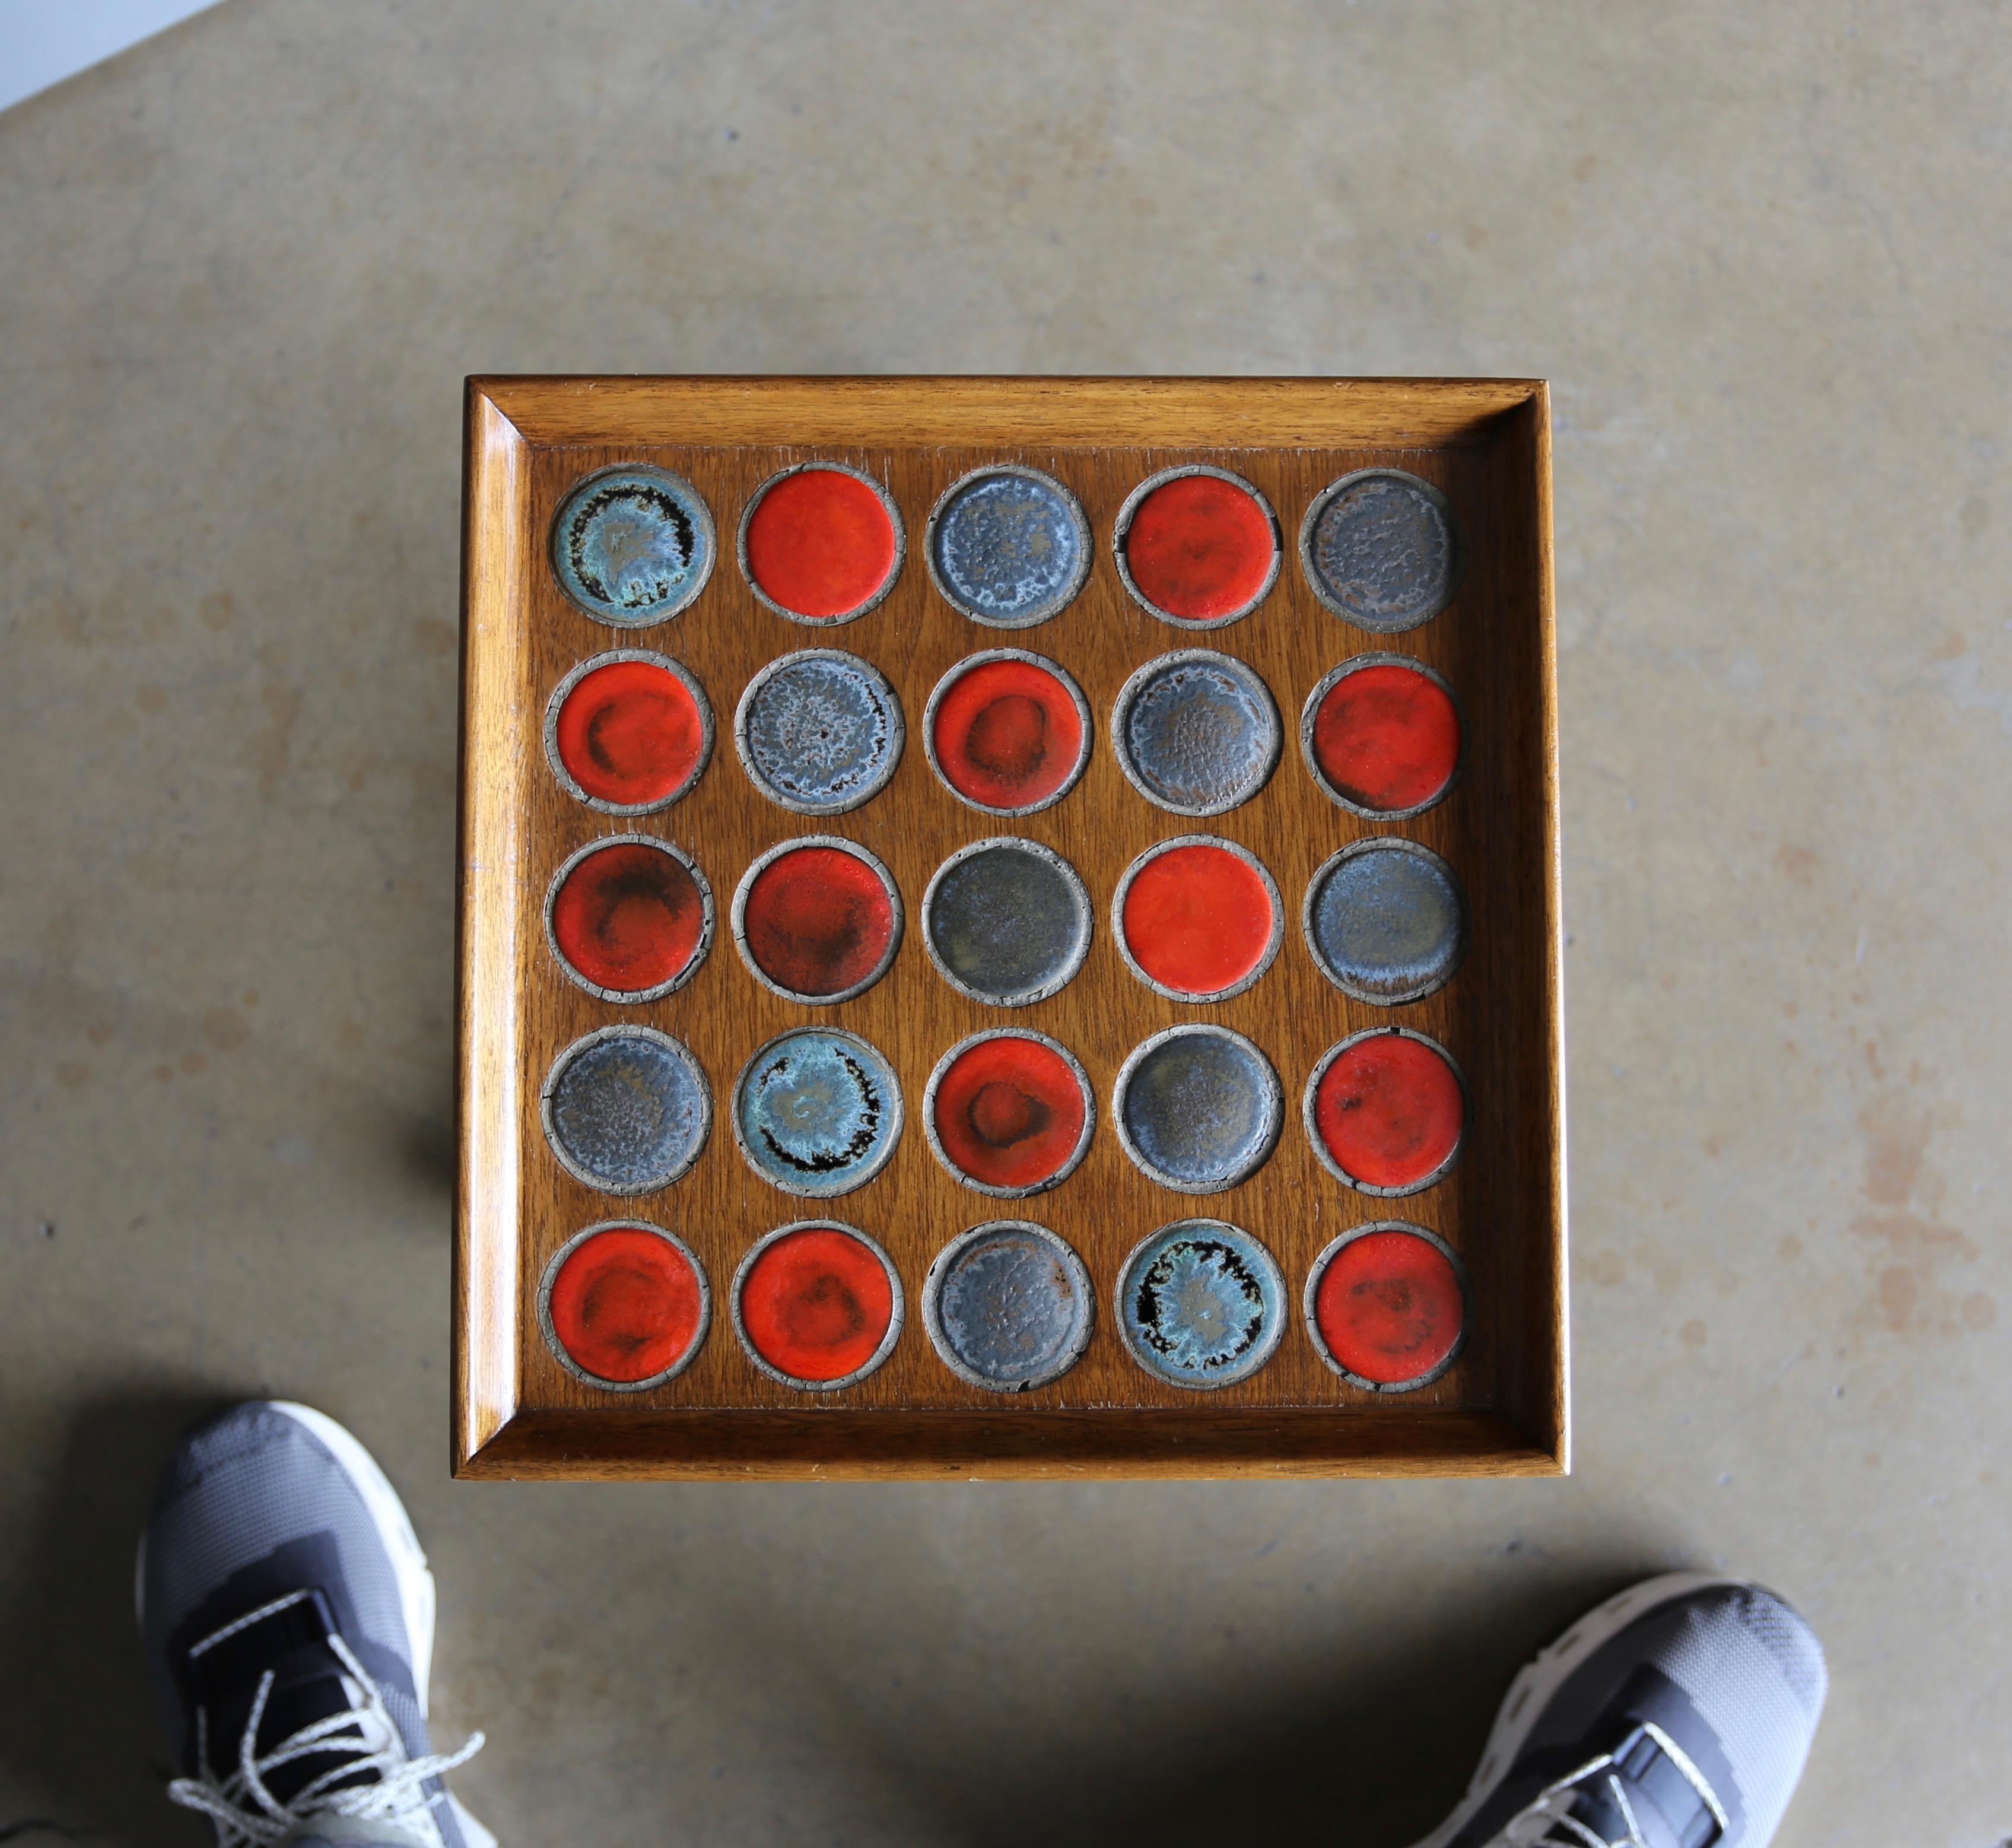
(1042, 1445)
(494, 568)
(1557, 1435)
(558, 411)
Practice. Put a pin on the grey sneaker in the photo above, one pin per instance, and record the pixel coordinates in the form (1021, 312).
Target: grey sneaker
(287, 1616)
(1677, 1715)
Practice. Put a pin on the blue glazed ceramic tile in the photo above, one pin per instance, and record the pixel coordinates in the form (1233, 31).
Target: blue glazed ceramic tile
(820, 732)
(1381, 549)
(1009, 548)
(1010, 1306)
(633, 546)
(1198, 1107)
(1007, 921)
(818, 1112)
(627, 1109)
(1198, 732)
(1386, 921)
(1202, 1304)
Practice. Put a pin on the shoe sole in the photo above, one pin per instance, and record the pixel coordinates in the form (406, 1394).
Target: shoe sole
(417, 1598)
(1543, 1676)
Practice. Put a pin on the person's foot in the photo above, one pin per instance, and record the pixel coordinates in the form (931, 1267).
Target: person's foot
(1677, 1715)
(287, 1616)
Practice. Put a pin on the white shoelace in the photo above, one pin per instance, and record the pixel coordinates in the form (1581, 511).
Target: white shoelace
(1548, 1821)
(365, 1739)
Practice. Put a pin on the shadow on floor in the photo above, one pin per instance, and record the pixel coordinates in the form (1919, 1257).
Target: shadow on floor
(1375, 1757)
(428, 1152)
(75, 1719)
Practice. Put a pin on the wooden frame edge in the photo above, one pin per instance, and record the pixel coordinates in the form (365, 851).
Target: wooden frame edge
(599, 1446)
(1559, 1436)
(493, 483)
(558, 410)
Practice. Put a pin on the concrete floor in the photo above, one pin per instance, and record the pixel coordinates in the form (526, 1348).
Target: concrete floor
(1764, 255)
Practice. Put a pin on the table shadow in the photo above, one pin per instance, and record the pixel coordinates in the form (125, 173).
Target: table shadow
(76, 1724)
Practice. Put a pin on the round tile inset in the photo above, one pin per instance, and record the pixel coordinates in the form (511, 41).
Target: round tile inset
(1007, 732)
(1007, 922)
(1009, 1112)
(1197, 733)
(1386, 1305)
(817, 1112)
(1008, 546)
(817, 919)
(626, 1109)
(1198, 918)
(630, 917)
(821, 543)
(1197, 1108)
(1381, 549)
(633, 546)
(1198, 547)
(817, 1305)
(1202, 1304)
(1382, 735)
(819, 732)
(1008, 1306)
(628, 732)
(624, 1306)
(1386, 1111)
(1385, 921)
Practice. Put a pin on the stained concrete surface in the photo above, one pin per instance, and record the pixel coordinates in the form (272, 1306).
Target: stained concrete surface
(1763, 254)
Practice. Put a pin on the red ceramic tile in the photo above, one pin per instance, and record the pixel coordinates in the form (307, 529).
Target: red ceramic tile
(821, 543)
(1387, 737)
(630, 917)
(1390, 1307)
(818, 921)
(630, 733)
(1009, 1111)
(626, 1304)
(1200, 547)
(1006, 734)
(816, 1304)
(1389, 1110)
(1199, 918)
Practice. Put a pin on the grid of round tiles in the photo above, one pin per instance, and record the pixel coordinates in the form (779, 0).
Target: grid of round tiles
(817, 1112)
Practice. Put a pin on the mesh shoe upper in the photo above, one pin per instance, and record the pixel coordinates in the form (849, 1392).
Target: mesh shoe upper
(1707, 1702)
(254, 1509)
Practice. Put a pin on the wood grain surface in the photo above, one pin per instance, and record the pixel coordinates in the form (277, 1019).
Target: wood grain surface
(1501, 1408)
